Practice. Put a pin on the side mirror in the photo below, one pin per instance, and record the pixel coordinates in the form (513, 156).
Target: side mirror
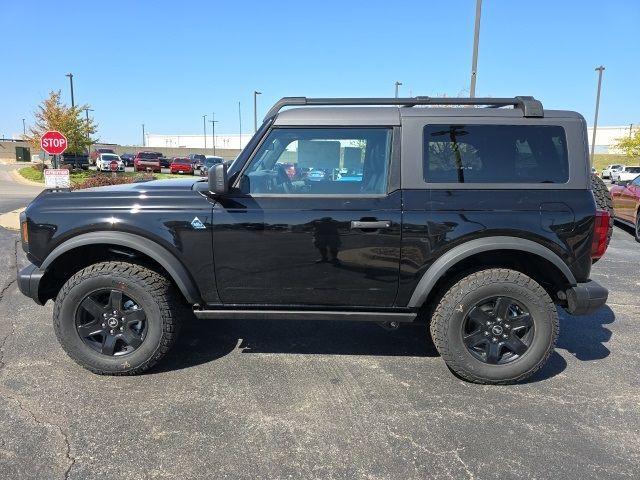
(622, 183)
(218, 182)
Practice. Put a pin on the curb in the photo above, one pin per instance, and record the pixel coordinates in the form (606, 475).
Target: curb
(20, 179)
(11, 220)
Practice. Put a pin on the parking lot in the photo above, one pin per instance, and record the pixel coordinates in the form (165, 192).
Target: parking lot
(242, 399)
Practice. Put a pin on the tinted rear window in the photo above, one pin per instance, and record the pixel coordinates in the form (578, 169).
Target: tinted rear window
(151, 156)
(495, 154)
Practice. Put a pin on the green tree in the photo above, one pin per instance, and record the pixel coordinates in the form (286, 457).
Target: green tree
(53, 115)
(630, 145)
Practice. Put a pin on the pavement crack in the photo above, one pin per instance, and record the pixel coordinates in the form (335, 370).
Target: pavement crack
(71, 460)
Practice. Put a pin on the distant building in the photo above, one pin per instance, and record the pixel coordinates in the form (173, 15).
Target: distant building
(225, 141)
(606, 137)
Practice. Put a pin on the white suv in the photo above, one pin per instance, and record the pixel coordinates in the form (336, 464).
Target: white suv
(626, 174)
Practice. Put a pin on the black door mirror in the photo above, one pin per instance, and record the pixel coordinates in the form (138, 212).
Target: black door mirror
(623, 183)
(218, 182)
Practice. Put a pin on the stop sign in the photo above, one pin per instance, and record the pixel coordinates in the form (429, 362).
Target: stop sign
(114, 166)
(53, 142)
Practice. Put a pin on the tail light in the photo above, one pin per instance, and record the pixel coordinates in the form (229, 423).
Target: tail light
(600, 234)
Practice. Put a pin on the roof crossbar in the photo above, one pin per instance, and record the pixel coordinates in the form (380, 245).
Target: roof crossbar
(529, 105)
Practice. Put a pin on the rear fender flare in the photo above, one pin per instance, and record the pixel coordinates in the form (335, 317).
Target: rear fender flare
(465, 250)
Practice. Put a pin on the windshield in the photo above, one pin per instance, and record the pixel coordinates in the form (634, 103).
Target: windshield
(633, 169)
(184, 161)
(109, 157)
(149, 155)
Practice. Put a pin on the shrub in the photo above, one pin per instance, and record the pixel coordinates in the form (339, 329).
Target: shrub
(105, 180)
(39, 167)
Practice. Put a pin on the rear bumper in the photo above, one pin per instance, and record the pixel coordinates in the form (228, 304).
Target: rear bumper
(29, 282)
(586, 297)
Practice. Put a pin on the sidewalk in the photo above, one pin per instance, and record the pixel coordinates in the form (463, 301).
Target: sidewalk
(11, 220)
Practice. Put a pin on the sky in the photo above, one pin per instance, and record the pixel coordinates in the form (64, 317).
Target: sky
(168, 63)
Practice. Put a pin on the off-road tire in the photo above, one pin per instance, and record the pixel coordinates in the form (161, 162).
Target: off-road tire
(603, 201)
(154, 292)
(449, 316)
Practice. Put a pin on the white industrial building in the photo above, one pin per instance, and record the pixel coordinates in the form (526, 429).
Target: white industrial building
(606, 138)
(223, 141)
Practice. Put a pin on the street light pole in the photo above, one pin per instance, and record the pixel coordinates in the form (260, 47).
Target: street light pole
(240, 121)
(599, 69)
(397, 85)
(204, 122)
(24, 127)
(70, 75)
(143, 142)
(213, 128)
(476, 40)
(255, 110)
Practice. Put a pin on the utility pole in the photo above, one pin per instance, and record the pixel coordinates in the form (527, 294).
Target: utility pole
(213, 128)
(599, 69)
(630, 129)
(204, 122)
(240, 121)
(143, 142)
(24, 128)
(476, 40)
(70, 75)
(397, 85)
(255, 110)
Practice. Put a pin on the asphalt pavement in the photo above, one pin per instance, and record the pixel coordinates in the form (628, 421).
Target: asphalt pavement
(330, 400)
(14, 195)
(322, 400)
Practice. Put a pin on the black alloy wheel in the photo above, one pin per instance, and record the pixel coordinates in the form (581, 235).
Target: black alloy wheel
(110, 322)
(498, 330)
(638, 227)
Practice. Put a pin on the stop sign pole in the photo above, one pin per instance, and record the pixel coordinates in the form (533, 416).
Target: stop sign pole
(54, 143)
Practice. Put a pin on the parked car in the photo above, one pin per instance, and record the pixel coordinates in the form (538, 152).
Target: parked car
(147, 161)
(627, 173)
(103, 163)
(181, 165)
(75, 161)
(165, 162)
(209, 162)
(626, 203)
(197, 159)
(97, 151)
(127, 159)
(606, 172)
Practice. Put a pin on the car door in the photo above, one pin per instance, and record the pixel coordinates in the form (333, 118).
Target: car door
(281, 238)
(628, 200)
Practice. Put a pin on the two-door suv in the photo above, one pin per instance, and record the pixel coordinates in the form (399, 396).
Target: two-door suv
(475, 221)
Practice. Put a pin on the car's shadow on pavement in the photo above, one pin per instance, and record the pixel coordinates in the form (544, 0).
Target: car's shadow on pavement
(203, 341)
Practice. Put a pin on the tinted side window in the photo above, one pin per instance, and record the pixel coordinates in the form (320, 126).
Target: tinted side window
(347, 161)
(495, 154)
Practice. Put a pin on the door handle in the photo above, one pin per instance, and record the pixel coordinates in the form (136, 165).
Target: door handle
(355, 224)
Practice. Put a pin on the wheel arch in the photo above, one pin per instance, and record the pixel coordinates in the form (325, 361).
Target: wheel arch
(130, 245)
(500, 251)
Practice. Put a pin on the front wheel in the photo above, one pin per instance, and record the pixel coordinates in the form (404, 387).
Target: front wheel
(495, 326)
(638, 226)
(116, 318)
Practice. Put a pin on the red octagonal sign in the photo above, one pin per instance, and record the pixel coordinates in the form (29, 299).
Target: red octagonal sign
(53, 142)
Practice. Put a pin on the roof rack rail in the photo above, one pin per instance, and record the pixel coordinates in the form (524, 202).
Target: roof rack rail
(529, 105)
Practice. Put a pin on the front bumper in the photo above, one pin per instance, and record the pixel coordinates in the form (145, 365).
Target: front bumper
(586, 297)
(29, 282)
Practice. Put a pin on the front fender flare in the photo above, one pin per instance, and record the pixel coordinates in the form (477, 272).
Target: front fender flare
(464, 250)
(160, 254)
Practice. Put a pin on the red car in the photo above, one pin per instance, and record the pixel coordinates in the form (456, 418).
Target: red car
(181, 165)
(626, 204)
(147, 161)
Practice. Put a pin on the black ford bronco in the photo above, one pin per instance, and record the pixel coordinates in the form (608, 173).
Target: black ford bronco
(478, 222)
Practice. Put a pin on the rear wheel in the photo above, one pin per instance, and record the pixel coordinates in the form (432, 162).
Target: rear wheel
(638, 226)
(116, 318)
(495, 326)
